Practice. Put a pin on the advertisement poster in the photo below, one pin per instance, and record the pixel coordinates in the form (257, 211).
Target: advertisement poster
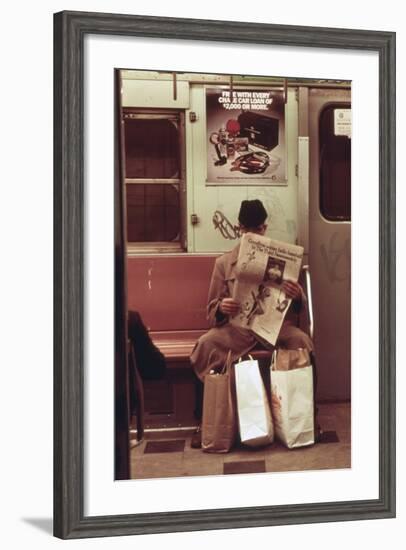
(245, 136)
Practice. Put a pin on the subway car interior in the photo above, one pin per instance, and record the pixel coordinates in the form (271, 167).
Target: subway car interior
(190, 148)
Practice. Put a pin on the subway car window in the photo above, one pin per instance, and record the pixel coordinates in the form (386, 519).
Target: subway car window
(335, 162)
(153, 177)
(152, 213)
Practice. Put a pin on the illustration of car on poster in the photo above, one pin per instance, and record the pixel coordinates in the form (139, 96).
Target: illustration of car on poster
(246, 136)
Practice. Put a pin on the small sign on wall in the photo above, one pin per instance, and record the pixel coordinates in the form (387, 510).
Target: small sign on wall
(342, 122)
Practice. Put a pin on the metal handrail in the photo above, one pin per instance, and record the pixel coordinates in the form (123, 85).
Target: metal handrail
(308, 281)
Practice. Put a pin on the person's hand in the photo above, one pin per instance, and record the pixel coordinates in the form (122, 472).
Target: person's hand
(228, 306)
(292, 290)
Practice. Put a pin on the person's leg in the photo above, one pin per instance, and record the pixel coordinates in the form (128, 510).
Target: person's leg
(211, 350)
(292, 337)
(196, 441)
(199, 388)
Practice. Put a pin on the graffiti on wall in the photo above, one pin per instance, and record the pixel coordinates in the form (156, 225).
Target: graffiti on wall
(336, 256)
(227, 229)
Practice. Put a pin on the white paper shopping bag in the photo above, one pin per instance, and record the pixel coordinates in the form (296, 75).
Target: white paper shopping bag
(254, 416)
(292, 399)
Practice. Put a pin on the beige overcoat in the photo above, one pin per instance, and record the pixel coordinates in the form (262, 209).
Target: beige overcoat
(224, 336)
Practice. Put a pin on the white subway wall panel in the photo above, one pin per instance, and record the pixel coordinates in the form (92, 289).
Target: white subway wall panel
(155, 94)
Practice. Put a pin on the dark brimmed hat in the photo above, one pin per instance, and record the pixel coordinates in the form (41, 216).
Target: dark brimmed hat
(252, 213)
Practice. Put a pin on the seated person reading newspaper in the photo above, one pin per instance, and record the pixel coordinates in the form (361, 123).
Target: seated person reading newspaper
(241, 324)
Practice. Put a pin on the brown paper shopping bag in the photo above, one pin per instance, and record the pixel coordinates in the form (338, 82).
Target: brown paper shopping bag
(219, 424)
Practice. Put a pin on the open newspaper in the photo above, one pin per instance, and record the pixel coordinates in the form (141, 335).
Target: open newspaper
(262, 265)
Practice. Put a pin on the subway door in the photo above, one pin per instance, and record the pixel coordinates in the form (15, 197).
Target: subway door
(330, 237)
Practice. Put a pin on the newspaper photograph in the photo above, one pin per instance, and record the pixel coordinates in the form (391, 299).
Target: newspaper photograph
(262, 266)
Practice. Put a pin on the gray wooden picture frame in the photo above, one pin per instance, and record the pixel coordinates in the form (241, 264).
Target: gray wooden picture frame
(70, 28)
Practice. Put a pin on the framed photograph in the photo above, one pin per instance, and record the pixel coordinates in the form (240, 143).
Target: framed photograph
(166, 132)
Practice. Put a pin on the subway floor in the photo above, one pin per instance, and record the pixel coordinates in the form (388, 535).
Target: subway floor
(169, 454)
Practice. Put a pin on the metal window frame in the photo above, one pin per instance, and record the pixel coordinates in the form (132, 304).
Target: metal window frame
(173, 115)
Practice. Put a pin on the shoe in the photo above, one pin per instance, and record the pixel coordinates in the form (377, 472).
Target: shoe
(330, 436)
(196, 441)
